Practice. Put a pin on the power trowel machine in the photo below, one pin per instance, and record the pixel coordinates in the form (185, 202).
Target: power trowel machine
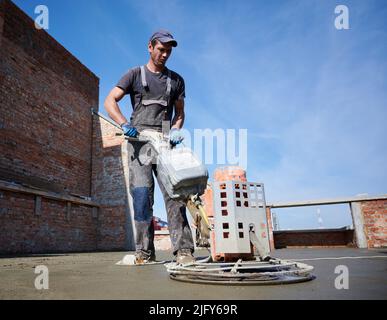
(228, 217)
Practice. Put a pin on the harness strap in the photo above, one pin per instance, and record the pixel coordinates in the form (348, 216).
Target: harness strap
(145, 84)
(143, 78)
(169, 86)
(149, 102)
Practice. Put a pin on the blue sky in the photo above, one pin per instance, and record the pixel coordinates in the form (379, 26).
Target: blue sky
(312, 97)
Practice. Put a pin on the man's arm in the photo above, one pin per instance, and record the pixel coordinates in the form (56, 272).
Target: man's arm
(178, 119)
(112, 107)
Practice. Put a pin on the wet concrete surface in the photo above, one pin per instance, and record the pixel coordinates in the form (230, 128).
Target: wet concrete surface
(96, 276)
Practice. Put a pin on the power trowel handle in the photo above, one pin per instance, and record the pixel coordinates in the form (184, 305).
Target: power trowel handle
(138, 139)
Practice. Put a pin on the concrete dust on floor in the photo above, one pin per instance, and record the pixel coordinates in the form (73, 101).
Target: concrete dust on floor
(96, 276)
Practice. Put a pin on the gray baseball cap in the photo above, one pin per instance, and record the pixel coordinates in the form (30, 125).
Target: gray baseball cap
(164, 36)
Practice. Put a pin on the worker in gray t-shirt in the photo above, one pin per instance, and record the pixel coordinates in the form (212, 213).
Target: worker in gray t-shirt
(157, 95)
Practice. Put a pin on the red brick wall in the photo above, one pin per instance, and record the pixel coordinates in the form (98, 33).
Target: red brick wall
(45, 122)
(110, 187)
(375, 222)
(1, 22)
(45, 139)
(374, 225)
(53, 230)
(313, 238)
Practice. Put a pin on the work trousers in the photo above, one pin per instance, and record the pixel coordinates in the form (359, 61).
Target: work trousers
(142, 166)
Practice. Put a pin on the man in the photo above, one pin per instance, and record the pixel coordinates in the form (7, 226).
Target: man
(156, 94)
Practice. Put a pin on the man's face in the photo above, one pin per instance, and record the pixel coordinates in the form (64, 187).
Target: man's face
(160, 53)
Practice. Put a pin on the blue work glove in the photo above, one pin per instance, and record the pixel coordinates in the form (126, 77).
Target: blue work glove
(129, 131)
(175, 137)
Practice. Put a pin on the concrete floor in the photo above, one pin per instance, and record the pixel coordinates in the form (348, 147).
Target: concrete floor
(96, 276)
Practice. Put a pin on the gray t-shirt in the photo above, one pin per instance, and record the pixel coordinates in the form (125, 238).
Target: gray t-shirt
(157, 83)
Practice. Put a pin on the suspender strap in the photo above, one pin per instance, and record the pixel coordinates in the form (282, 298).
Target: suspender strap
(169, 81)
(169, 84)
(149, 102)
(143, 79)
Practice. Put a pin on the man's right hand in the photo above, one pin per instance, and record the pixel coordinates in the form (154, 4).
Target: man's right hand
(129, 131)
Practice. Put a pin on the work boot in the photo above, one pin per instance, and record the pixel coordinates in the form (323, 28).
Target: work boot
(143, 258)
(185, 257)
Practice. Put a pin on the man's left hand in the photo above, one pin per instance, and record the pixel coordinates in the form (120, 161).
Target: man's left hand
(175, 137)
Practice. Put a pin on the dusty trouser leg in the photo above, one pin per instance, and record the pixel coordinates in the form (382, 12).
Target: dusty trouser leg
(179, 230)
(142, 190)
